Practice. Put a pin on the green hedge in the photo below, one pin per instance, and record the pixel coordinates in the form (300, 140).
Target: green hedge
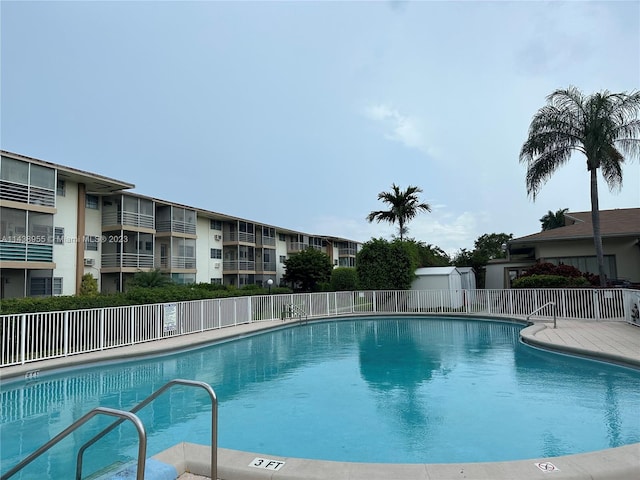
(133, 296)
(550, 281)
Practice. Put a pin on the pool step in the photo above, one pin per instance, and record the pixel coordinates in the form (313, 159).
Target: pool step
(153, 470)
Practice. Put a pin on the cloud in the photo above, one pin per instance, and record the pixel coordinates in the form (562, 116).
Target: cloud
(400, 127)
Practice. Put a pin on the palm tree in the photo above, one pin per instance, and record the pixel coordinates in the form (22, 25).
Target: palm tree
(405, 205)
(603, 126)
(149, 279)
(553, 220)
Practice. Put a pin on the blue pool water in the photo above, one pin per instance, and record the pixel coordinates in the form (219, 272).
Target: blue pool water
(368, 390)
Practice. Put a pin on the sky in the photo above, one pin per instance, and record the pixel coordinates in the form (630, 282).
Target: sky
(297, 114)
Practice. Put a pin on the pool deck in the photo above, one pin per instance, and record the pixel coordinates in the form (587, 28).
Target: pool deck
(617, 342)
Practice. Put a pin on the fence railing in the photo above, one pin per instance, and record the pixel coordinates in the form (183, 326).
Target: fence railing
(38, 336)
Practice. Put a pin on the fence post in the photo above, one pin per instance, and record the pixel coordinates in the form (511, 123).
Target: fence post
(66, 333)
(102, 329)
(23, 337)
(202, 315)
(132, 319)
(596, 305)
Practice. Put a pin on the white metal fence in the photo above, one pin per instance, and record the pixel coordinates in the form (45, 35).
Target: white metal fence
(38, 336)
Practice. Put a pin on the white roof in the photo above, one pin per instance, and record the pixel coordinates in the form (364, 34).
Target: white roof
(436, 271)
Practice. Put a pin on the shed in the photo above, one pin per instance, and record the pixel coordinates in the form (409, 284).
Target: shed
(443, 279)
(437, 278)
(468, 278)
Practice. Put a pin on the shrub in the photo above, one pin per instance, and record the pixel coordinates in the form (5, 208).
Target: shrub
(88, 286)
(344, 279)
(549, 281)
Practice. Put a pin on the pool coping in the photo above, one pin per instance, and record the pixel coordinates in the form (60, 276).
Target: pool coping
(620, 463)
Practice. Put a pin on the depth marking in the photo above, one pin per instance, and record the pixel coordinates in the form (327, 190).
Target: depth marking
(547, 467)
(266, 463)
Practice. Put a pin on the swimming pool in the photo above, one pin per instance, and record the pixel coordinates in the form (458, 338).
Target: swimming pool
(423, 390)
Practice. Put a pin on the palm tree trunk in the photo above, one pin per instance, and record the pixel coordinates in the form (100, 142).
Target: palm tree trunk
(595, 220)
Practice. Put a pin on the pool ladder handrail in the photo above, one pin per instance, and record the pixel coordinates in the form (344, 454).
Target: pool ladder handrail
(148, 400)
(299, 311)
(130, 415)
(142, 435)
(545, 305)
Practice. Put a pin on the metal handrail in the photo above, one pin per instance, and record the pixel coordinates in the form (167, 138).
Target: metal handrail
(299, 310)
(142, 446)
(545, 305)
(149, 399)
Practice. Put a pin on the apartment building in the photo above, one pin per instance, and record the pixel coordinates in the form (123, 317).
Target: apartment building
(58, 223)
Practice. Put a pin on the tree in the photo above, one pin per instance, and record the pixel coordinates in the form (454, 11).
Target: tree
(604, 127)
(306, 269)
(553, 220)
(88, 286)
(489, 246)
(426, 255)
(344, 279)
(405, 205)
(151, 279)
(384, 265)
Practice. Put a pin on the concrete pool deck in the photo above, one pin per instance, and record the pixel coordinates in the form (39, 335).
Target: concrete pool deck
(617, 342)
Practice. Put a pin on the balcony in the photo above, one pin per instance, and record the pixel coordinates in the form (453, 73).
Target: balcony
(243, 237)
(293, 247)
(268, 241)
(262, 267)
(17, 192)
(238, 265)
(25, 252)
(175, 226)
(129, 219)
(347, 252)
(126, 260)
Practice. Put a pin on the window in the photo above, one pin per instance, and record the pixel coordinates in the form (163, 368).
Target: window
(216, 253)
(91, 243)
(40, 286)
(282, 237)
(216, 281)
(91, 201)
(283, 258)
(57, 285)
(61, 188)
(215, 224)
(58, 235)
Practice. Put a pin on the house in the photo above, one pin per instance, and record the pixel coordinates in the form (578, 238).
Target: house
(573, 245)
(59, 223)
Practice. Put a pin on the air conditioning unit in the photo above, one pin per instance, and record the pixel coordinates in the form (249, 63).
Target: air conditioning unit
(89, 262)
(216, 265)
(218, 237)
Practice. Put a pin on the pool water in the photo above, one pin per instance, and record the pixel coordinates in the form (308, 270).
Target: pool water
(395, 390)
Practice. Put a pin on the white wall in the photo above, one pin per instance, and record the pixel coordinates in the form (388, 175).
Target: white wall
(206, 240)
(64, 255)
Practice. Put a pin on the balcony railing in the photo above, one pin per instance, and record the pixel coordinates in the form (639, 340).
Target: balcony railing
(237, 265)
(17, 192)
(343, 252)
(176, 226)
(130, 219)
(265, 266)
(183, 262)
(296, 246)
(25, 252)
(135, 260)
(239, 237)
(268, 241)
